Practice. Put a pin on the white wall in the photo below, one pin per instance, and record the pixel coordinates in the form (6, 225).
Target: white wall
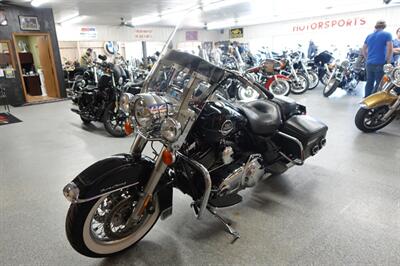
(287, 34)
(277, 36)
(126, 34)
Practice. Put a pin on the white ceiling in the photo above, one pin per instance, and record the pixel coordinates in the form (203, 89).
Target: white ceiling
(109, 12)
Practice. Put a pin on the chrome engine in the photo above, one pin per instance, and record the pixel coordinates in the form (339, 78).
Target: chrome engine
(248, 175)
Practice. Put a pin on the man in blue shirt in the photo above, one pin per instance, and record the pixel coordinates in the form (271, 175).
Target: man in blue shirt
(396, 48)
(377, 49)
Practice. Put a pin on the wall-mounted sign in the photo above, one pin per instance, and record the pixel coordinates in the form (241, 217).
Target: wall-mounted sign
(88, 33)
(144, 34)
(330, 24)
(192, 35)
(29, 23)
(236, 33)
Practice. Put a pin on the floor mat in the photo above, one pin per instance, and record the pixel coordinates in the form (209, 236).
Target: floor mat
(7, 118)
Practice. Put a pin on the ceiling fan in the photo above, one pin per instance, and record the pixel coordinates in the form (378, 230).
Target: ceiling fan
(125, 23)
(393, 2)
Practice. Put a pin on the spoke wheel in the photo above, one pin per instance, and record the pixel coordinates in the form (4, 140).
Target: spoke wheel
(331, 87)
(280, 87)
(247, 94)
(301, 85)
(313, 79)
(101, 227)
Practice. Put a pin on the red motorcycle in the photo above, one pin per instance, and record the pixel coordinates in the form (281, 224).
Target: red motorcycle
(267, 74)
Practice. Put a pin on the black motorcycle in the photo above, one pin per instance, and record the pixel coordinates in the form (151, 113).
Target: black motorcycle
(212, 149)
(101, 102)
(347, 75)
(323, 64)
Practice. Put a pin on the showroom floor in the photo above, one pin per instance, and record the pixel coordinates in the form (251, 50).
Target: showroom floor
(341, 207)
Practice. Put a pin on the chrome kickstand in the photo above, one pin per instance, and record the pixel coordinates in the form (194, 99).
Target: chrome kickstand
(227, 224)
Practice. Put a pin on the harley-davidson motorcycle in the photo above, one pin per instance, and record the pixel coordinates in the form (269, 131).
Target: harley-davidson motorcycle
(101, 102)
(379, 109)
(323, 65)
(299, 81)
(213, 148)
(267, 74)
(344, 76)
(301, 66)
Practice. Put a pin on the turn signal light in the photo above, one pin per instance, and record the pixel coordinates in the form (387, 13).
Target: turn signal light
(168, 157)
(128, 127)
(385, 79)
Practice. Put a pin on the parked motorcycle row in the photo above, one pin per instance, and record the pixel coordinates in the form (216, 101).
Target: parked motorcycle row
(292, 72)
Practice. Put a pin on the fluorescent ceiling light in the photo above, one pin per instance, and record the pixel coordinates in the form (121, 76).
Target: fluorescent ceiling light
(145, 20)
(176, 16)
(36, 3)
(220, 4)
(180, 13)
(69, 17)
(221, 24)
(73, 20)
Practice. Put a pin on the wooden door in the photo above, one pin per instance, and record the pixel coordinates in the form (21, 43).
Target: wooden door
(46, 63)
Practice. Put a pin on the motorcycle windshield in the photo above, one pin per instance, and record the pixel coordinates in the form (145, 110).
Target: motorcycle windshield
(184, 81)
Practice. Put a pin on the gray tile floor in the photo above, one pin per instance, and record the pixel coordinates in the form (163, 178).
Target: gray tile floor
(341, 207)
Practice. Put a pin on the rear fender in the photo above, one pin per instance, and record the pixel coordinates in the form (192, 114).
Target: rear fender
(112, 174)
(379, 99)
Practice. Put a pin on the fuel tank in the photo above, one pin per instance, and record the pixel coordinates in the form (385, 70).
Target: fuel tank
(219, 120)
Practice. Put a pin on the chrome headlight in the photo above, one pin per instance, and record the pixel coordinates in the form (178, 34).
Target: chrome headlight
(387, 68)
(142, 113)
(396, 76)
(120, 81)
(170, 129)
(124, 102)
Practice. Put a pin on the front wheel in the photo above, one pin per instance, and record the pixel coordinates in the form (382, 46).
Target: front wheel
(300, 85)
(114, 121)
(313, 79)
(246, 94)
(280, 87)
(330, 88)
(370, 120)
(101, 228)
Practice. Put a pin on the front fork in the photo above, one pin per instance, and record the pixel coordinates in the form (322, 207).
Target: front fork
(305, 70)
(392, 109)
(159, 169)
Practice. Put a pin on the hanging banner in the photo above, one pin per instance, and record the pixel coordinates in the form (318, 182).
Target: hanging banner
(236, 33)
(88, 33)
(192, 35)
(330, 24)
(144, 34)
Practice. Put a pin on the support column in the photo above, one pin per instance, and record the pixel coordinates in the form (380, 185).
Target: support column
(144, 51)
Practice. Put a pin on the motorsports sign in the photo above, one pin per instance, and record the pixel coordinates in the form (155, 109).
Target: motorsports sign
(330, 24)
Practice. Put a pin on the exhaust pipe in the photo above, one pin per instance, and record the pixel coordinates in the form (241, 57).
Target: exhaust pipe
(322, 143)
(315, 150)
(76, 111)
